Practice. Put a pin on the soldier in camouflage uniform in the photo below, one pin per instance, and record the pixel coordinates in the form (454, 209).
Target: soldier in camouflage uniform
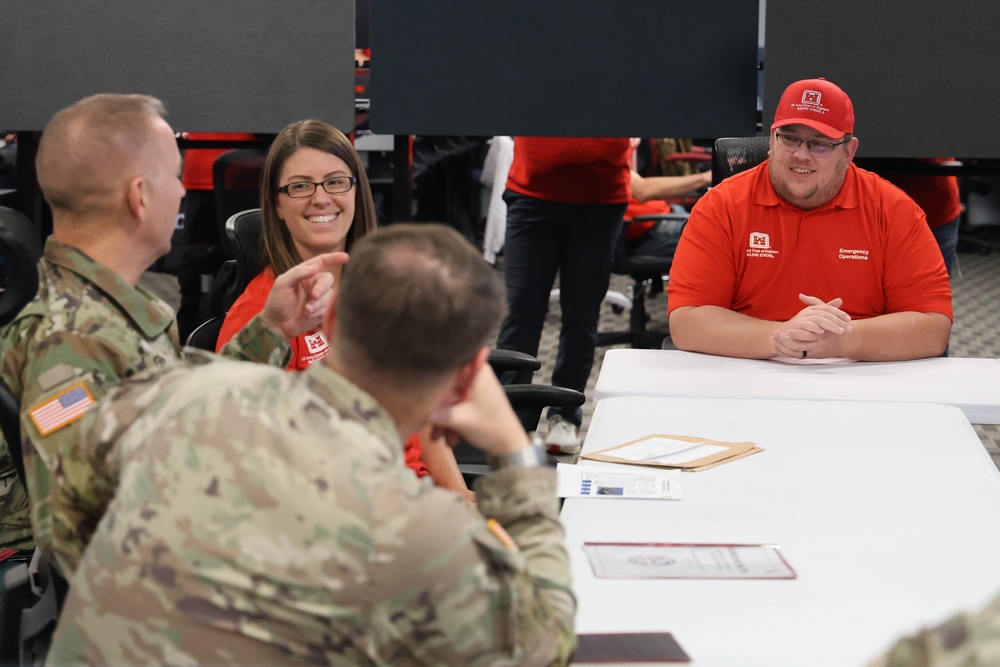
(967, 640)
(265, 518)
(109, 167)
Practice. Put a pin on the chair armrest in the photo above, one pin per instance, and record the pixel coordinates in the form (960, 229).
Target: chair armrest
(511, 360)
(542, 395)
(528, 401)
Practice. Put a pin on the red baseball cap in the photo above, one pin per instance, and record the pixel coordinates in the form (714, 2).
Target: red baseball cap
(818, 104)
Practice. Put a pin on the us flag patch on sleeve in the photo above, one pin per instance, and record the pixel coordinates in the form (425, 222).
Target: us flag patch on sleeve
(62, 409)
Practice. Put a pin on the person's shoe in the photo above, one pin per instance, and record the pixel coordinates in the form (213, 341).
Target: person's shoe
(563, 436)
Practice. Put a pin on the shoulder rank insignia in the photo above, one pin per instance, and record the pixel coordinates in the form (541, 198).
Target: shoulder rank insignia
(502, 535)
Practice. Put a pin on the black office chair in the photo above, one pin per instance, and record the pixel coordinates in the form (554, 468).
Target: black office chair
(243, 240)
(206, 335)
(236, 179)
(528, 402)
(235, 187)
(735, 154)
(21, 248)
(649, 272)
(38, 621)
(15, 599)
(648, 276)
(32, 595)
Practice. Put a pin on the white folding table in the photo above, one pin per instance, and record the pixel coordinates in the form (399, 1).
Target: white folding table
(973, 385)
(888, 512)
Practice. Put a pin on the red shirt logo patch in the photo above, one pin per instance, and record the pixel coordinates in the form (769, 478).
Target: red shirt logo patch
(316, 342)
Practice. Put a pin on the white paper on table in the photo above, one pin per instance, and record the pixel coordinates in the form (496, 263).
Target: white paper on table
(687, 561)
(666, 450)
(575, 481)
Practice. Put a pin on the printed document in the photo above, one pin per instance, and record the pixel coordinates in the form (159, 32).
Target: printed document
(687, 561)
(574, 481)
(663, 449)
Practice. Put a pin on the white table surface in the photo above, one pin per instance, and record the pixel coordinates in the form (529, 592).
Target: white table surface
(973, 385)
(888, 512)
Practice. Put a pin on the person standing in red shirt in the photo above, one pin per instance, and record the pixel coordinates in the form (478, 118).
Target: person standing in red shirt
(938, 198)
(565, 200)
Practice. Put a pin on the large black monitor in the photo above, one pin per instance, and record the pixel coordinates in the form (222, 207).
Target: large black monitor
(218, 65)
(920, 72)
(652, 68)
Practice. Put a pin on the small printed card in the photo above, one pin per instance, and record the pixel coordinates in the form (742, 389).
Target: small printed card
(687, 561)
(576, 481)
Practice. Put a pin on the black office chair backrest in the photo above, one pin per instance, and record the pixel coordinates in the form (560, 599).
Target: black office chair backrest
(236, 178)
(10, 426)
(243, 231)
(243, 242)
(20, 248)
(206, 335)
(735, 154)
(32, 594)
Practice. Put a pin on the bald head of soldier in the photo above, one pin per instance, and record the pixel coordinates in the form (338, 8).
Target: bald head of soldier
(416, 306)
(110, 169)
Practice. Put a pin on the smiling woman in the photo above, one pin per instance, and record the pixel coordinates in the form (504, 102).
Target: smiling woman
(315, 199)
(311, 152)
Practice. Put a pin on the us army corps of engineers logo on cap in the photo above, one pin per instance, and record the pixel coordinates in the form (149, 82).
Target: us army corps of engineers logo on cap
(760, 246)
(812, 101)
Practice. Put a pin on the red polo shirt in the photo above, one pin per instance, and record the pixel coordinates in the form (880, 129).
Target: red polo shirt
(746, 249)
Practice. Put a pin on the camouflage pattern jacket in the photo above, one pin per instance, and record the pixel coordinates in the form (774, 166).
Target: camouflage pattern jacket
(967, 640)
(264, 517)
(85, 330)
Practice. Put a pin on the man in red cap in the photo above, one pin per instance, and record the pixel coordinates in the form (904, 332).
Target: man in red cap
(807, 255)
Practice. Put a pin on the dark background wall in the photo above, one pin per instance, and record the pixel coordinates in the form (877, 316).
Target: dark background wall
(921, 73)
(241, 65)
(684, 68)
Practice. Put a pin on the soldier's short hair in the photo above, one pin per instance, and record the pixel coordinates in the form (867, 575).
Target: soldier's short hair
(417, 300)
(277, 248)
(87, 147)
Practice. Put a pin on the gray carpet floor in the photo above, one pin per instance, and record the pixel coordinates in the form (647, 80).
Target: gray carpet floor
(976, 333)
